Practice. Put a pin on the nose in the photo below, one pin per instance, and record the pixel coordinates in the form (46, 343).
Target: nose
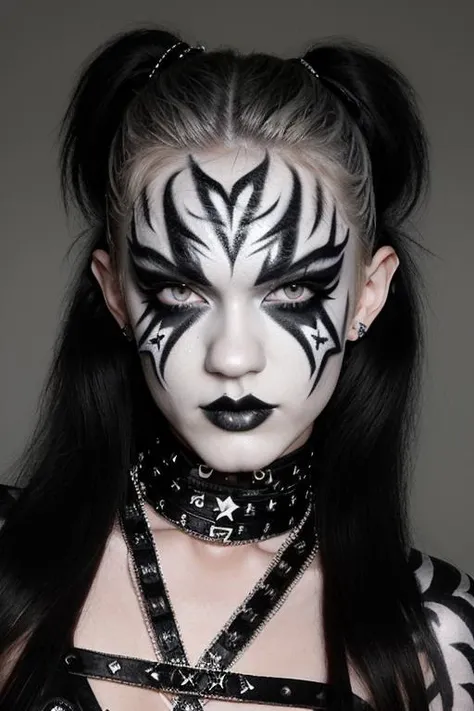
(235, 349)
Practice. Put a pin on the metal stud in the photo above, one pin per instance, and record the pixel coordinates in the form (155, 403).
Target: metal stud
(59, 705)
(114, 666)
(149, 571)
(153, 673)
(215, 660)
(245, 686)
(204, 472)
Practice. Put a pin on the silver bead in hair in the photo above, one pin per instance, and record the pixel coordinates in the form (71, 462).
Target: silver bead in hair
(185, 51)
(308, 66)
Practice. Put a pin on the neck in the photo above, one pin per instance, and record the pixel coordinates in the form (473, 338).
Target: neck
(233, 508)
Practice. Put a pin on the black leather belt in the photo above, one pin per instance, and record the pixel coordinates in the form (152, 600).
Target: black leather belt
(196, 682)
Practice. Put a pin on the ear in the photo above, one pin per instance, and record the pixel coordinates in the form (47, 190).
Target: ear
(377, 280)
(107, 277)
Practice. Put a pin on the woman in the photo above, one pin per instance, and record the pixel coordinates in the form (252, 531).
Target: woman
(216, 505)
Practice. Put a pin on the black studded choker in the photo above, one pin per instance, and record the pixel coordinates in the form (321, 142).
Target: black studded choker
(228, 508)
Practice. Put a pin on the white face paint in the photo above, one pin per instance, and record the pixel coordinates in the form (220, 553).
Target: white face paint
(239, 277)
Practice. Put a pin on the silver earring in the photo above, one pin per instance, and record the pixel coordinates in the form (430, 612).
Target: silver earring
(127, 332)
(361, 329)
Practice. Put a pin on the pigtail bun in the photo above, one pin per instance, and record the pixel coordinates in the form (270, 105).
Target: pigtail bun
(107, 85)
(388, 120)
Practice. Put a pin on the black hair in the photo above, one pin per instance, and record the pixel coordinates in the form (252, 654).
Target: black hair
(96, 400)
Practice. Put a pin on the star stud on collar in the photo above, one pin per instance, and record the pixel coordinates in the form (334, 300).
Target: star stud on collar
(226, 508)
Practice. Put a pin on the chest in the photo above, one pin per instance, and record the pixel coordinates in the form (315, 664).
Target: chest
(205, 586)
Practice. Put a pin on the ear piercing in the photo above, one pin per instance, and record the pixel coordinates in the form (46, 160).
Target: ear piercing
(127, 332)
(361, 329)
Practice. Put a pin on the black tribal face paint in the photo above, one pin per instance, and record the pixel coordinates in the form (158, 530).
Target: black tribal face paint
(240, 271)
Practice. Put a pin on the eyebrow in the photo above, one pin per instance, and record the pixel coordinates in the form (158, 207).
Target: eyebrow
(322, 275)
(328, 252)
(148, 263)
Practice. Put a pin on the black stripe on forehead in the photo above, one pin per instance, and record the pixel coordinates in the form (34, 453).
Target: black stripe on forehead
(145, 207)
(185, 245)
(280, 241)
(230, 225)
(320, 208)
(272, 271)
(146, 262)
(231, 235)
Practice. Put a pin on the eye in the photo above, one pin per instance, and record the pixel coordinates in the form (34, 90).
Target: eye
(178, 294)
(290, 293)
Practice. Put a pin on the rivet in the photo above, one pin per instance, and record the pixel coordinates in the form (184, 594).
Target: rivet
(204, 471)
(58, 705)
(70, 659)
(285, 691)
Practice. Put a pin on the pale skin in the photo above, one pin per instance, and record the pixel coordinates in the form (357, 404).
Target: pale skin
(230, 355)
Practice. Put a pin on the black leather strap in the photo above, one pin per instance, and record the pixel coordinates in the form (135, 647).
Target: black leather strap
(193, 682)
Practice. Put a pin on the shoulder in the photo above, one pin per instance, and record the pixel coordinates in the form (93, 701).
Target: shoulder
(447, 591)
(8, 497)
(448, 598)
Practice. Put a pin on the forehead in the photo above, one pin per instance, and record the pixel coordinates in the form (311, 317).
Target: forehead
(239, 207)
(226, 167)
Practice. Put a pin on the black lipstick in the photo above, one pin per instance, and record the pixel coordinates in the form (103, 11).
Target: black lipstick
(237, 415)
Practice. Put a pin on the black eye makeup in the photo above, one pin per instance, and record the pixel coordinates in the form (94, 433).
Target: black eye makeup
(171, 294)
(307, 291)
(169, 291)
(301, 293)
(297, 295)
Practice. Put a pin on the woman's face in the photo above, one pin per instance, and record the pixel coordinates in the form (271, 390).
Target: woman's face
(239, 277)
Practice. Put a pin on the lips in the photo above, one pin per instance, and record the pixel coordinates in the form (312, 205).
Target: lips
(237, 415)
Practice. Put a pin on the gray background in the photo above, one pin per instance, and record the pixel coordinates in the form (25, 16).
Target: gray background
(41, 46)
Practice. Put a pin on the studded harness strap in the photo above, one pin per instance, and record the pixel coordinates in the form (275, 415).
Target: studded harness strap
(197, 683)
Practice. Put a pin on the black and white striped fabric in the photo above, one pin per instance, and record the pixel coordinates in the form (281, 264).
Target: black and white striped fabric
(448, 596)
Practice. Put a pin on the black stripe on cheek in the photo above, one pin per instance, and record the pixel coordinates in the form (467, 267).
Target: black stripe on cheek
(337, 348)
(169, 328)
(294, 323)
(149, 311)
(187, 321)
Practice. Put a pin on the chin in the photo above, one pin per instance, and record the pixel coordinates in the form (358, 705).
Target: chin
(239, 452)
